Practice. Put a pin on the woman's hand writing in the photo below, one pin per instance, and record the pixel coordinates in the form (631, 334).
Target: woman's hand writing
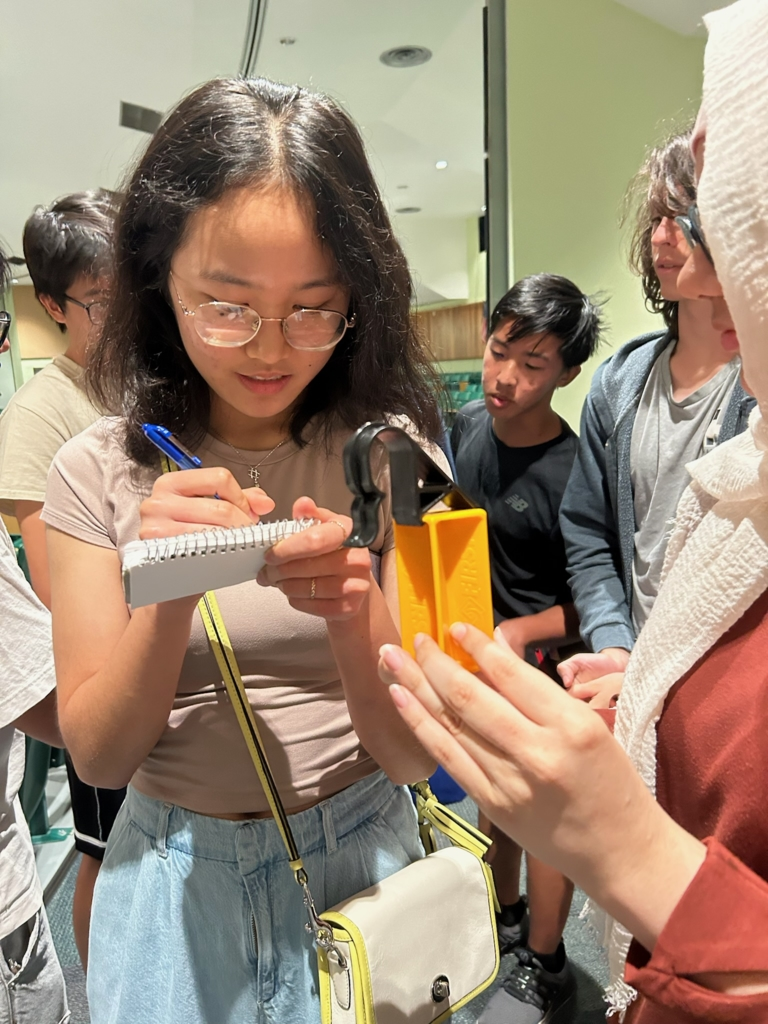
(184, 502)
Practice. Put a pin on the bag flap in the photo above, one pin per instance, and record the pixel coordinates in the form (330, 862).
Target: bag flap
(433, 920)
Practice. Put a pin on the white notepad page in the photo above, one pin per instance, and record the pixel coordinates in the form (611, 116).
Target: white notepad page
(191, 563)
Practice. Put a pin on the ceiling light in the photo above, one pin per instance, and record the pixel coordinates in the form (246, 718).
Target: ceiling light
(405, 56)
(409, 209)
(441, 165)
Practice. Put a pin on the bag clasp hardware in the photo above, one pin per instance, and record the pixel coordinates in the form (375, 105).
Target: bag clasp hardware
(320, 930)
(441, 989)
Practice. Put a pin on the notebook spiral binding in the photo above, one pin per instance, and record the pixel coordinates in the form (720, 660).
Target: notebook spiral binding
(214, 542)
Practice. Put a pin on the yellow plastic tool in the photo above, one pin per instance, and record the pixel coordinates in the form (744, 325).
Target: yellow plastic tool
(444, 576)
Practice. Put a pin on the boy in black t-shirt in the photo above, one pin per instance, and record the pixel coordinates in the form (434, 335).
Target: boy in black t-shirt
(513, 458)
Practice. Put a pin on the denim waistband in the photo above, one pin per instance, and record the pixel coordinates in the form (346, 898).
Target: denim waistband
(199, 835)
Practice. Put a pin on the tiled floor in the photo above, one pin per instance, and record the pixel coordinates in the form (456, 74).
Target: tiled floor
(582, 949)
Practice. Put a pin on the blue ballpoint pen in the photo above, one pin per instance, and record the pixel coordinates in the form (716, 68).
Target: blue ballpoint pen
(171, 447)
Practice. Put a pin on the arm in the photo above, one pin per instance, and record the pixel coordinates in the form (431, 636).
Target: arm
(35, 547)
(545, 769)
(41, 721)
(356, 643)
(359, 621)
(117, 673)
(556, 625)
(591, 540)
(718, 975)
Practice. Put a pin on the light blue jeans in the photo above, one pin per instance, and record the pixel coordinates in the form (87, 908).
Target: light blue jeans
(198, 920)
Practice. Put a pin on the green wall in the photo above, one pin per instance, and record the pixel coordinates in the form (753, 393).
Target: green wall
(590, 86)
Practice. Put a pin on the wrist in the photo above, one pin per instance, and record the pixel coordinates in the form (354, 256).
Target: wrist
(647, 877)
(619, 655)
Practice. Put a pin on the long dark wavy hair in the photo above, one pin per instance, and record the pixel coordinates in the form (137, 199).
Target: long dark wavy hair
(235, 133)
(665, 186)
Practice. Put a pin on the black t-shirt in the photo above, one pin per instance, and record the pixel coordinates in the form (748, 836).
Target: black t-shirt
(521, 490)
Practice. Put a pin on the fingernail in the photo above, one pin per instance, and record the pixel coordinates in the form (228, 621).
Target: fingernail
(399, 695)
(392, 657)
(418, 640)
(458, 630)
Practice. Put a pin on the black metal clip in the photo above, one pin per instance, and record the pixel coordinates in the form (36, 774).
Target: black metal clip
(417, 483)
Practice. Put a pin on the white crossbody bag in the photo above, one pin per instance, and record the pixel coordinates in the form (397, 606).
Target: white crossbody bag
(414, 948)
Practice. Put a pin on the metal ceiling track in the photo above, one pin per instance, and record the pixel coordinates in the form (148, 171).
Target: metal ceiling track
(257, 16)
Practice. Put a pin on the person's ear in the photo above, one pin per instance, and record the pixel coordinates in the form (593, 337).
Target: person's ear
(568, 376)
(53, 309)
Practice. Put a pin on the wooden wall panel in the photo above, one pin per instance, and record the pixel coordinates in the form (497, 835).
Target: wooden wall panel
(454, 332)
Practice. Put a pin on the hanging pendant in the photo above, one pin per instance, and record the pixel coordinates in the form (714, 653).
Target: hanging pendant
(253, 473)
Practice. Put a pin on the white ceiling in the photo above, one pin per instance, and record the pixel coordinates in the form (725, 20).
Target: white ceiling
(64, 68)
(683, 16)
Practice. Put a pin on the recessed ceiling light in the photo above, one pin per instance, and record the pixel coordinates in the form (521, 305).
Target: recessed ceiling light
(483, 209)
(405, 56)
(409, 209)
(441, 165)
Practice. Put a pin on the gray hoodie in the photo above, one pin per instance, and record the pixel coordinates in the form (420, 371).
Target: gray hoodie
(597, 514)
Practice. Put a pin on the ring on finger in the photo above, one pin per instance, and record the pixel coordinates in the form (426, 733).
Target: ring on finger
(341, 527)
(312, 588)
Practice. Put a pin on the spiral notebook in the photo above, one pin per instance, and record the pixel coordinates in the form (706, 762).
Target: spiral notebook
(191, 563)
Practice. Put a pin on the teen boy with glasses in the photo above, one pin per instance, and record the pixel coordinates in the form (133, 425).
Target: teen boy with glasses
(68, 251)
(513, 458)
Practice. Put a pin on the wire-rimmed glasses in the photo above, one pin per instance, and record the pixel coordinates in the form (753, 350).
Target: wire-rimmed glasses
(96, 310)
(5, 325)
(228, 325)
(691, 227)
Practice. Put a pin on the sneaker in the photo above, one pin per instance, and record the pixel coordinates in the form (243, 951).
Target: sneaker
(531, 995)
(513, 935)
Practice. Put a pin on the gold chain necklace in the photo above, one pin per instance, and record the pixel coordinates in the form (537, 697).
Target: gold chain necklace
(253, 469)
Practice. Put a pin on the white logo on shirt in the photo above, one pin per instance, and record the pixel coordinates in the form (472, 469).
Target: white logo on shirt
(518, 504)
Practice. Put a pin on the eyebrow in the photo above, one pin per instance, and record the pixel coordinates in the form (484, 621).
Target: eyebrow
(222, 277)
(530, 353)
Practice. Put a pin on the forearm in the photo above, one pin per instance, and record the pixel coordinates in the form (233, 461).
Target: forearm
(556, 625)
(355, 643)
(41, 721)
(114, 718)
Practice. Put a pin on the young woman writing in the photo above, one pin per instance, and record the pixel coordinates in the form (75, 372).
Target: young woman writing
(260, 311)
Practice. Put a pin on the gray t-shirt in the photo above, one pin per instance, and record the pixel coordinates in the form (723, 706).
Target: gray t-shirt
(666, 436)
(26, 671)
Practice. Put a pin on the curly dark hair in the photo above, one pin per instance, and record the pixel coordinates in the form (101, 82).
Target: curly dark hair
(233, 133)
(663, 187)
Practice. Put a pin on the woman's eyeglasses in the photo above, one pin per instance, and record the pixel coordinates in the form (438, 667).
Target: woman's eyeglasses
(691, 227)
(96, 310)
(226, 325)
(5, 325)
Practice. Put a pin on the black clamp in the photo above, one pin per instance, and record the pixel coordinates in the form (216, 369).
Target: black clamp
(417, 483)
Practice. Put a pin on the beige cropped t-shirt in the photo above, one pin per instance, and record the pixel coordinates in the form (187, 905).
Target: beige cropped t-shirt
(200, 761)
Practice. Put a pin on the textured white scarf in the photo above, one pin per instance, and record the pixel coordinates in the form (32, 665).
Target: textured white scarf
(717, 557)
